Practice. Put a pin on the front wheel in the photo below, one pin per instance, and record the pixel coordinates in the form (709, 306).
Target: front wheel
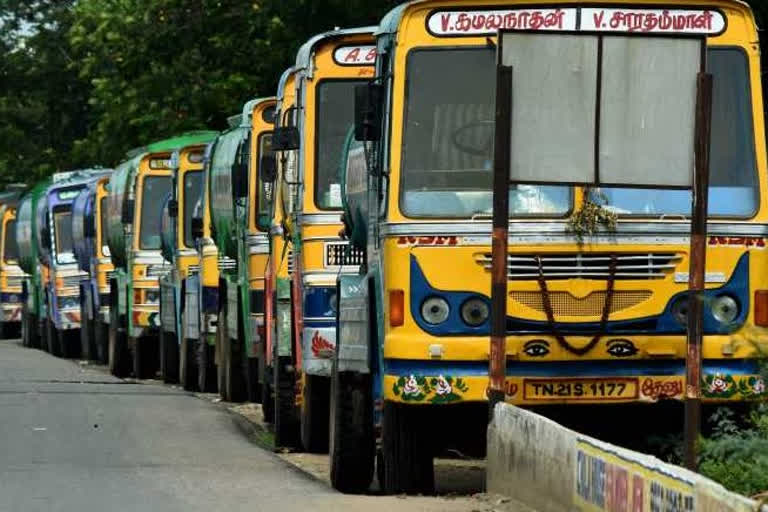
(145, 356)
(287, 433)
(187, 365)
(119, 355)
(169, 357)
(206, 366)
(314, 413)
(101, 338)
(351, 433)
(406, 449)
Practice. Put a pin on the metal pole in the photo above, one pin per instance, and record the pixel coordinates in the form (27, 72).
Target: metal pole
(696, 276)
(497, 354)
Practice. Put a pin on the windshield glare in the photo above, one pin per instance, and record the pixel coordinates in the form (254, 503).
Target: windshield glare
(154, 190)
(448, 145)
(335, 112)
(447, 165)
(62, 219)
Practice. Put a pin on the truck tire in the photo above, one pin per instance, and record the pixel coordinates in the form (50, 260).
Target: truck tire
(26, 339)
(287, 433)
(69, 343)
(206, 366)
(351, 433)
(53, 338)
(101, 337)
(145, 357)
(315, 417)
(407, 451)
(267, 396)
(187, 365)
(169, 357)
(119, 355)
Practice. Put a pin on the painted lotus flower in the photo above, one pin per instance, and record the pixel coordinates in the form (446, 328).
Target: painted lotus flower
(442, 387)
(411, 386)
(759, 386)
(718, 385)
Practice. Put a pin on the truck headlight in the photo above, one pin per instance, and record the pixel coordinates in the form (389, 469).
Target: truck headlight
(152, 297)
(474, 312)
(435, 310)
(725, 309)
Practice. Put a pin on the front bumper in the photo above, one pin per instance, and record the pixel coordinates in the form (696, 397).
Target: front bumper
(11, 312)
(68, 319)
(446, 382)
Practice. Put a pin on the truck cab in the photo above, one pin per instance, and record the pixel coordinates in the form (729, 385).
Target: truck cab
(57, 257)
(179, 251)
(137, 190)
(92, 255)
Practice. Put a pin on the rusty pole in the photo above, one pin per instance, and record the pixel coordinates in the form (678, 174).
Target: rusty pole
(697, 269)
(497, 354)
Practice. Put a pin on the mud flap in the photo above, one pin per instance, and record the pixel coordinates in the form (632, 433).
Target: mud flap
(352, 342)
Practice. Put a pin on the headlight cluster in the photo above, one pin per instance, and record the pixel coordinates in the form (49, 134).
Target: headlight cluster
(724, 308)
(474, 311)
(152, 297)
(72, 302)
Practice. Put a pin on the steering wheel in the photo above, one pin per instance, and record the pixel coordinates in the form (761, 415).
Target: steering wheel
(464, 132)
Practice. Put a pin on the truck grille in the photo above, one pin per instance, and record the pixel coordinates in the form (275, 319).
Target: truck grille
(227, 263)
(72, 281)
(158, 270)
(597, 266)
(15, 281)
(341, 254)
(565, 304)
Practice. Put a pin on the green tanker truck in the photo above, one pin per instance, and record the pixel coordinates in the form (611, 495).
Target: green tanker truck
(134, 205)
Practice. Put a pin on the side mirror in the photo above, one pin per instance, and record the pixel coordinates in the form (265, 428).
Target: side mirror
(173, 208)
(285, 138)
(127, 214)
(268, 168)
(46, 238)
(197, 227)
(89, 227)
(368, 102)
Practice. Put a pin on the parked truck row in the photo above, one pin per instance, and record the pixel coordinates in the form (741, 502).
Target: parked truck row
(328, 255)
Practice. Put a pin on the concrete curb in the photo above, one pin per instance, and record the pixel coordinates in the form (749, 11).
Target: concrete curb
(551, 468)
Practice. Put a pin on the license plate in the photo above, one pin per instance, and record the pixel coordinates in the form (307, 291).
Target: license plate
(579, 389)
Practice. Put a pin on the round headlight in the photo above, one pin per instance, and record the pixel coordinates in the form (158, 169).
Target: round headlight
(474, 312)
(725, 309)
(435, 310)
(680, 311)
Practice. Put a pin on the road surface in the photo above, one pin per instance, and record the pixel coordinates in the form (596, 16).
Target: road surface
(75, 439)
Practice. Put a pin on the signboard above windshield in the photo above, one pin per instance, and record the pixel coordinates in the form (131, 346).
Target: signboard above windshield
(705, 22)
(357, 55)
(611, 111)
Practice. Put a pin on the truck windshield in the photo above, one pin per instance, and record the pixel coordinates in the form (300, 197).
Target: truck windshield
(262, 209)
(11, 247)
(733, 189)
(447, 142)
(62, 221)
(335, 112)
(103, 220)
(153, 192)
(193, 191)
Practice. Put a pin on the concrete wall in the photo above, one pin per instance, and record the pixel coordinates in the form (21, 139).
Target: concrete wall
(551, 468)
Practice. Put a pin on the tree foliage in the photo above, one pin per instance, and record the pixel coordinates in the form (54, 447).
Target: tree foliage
(81, 82)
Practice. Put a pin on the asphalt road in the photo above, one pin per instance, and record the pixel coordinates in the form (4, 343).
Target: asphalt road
(75, 439)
